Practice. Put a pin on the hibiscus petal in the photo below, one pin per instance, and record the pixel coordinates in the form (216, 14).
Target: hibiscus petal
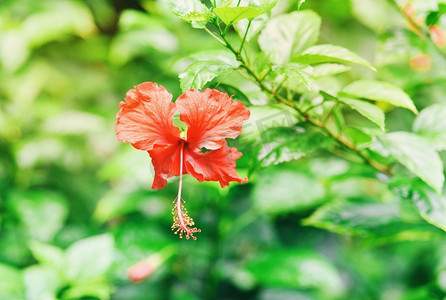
(166, 162)
(146, 118)
(216, 165)
(211, 116)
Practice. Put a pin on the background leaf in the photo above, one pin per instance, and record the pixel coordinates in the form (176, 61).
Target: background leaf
(287, 35)
(415, 154)
(431, 125)
(370, 111)
(381, 92)
(330, 54)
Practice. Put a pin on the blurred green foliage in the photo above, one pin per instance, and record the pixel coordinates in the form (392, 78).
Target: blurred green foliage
(76, 208)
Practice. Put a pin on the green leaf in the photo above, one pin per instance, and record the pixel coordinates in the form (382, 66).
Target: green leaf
(381, 221)
(280, 190)
(330, 54)
(299, 4)
(199, 73)
(191, 11)
(265, 117)
(99, 290)
(431, 125)
(287, 35)
(89, 259)
(287, 144)
(230, 15)
(297, 269)
(41, 282)
(43, 213)
(325, 70)
(368, 110)
(379, 91)
(415, 154)
(48, 255)
(11, 283)
(297, 71)
(430, 205)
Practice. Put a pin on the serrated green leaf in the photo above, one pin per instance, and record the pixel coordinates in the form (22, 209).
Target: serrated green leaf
(430, 205)
(431, 125)
(192, 11)
(199, 73)
(281, 190)
(287, 144)
(379, 91)
(297, 269)
(287, 35)
(414, 153)
(325, 70)
(368, 110)
(293, 70)
(381, 221)
(350, 217)
(230, 15)
(330, 54)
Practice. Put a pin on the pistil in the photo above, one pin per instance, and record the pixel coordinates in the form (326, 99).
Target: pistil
(182, 223)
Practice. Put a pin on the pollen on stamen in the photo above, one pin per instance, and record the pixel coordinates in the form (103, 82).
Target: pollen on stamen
(182, 223)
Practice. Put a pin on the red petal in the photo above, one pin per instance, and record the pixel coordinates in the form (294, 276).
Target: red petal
(166, 162)
(215, 165)
(211, 116)
(146, 118)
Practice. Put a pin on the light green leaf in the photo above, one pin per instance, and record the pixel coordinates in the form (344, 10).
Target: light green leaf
(430, 205)
(324, 70)
(48, 255)
(89, 259)
(280, 190)
(230, 15)
(299, 3)
(297, 269)
(415, 154)
(368, 110)
(41, 282)
(330, 54)
(11, 283)
(287, 35)
(379, 91)
(431, 125)
(199, 73)
(192, 11)
(41, 212)
(298, 71)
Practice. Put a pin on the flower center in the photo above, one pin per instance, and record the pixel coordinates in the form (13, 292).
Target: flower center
(182, 223)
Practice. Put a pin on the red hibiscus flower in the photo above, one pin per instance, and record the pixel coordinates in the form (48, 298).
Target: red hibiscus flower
(146, 120)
